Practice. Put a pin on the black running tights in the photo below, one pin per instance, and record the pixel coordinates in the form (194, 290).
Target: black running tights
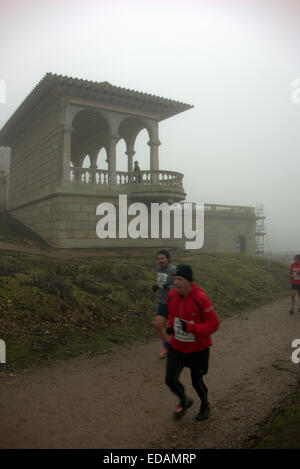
(198, 364)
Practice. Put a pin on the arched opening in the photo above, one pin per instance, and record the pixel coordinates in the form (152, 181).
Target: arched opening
(86, 162)
(136, 135)
(90, 132)
(142, 150)
(102, 159)
(121, 157)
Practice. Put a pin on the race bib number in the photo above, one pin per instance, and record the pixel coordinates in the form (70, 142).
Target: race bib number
(162, 278)
(180, 334)
(297, 275)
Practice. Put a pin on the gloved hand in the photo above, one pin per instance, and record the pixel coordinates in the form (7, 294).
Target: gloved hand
(183, 325)
(170, 330)
(166, 286)
(155, 288)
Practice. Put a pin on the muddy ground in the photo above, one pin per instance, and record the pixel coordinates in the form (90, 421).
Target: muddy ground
(119, 399)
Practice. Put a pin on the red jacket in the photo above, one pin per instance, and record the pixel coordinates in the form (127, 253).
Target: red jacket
(201, 321)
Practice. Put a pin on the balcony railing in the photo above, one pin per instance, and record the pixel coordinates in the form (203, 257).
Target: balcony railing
(140, 178)
(230, 209)
(89, 175)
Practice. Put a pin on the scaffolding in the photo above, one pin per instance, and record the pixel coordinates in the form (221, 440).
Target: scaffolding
(260, 230)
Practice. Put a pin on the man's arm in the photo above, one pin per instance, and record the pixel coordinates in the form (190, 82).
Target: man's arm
(170, 324)
(211, 321)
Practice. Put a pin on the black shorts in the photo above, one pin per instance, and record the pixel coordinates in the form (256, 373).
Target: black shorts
(295, 286)
(197, 362)
(162, 310)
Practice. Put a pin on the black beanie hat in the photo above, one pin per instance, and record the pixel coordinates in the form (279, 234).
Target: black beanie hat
(185, 271)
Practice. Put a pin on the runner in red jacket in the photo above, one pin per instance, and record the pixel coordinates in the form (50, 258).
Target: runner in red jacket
(191, 321)
(295, 281)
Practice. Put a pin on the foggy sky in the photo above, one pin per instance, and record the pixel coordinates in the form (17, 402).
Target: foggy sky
(234, 60)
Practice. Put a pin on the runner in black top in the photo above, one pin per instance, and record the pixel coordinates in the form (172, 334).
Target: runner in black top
(164, 284)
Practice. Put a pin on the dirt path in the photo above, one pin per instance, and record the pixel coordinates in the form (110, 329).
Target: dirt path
(119, 400)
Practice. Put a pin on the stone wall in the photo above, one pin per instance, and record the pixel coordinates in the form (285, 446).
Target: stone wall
(222, 232)
(36, 161)
(4, 159)
(69, 221)
(4, 170)
(3, 191)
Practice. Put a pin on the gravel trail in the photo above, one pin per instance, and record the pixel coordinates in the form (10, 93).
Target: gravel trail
(119, 399)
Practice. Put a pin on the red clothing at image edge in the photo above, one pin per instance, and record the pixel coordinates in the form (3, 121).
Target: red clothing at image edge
(203, 323)
(295, 272)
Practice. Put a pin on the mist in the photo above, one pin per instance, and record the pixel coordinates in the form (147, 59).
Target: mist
(236, 62)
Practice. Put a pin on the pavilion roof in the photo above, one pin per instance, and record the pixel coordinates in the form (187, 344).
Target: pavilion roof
(53, 87)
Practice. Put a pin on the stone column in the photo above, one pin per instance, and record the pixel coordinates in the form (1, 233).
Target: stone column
(66, 152)
(154, 162)
(130, 154)
(112, 163)
(93, 166)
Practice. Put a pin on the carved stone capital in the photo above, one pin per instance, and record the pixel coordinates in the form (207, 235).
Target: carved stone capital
(130, 153)
(67, 128)
(153, 143)
(114, 138)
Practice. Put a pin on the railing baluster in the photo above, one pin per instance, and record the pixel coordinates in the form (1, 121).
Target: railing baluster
(144, 178)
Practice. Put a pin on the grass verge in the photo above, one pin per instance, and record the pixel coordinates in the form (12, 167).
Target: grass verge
(57, 308)
(283, 430)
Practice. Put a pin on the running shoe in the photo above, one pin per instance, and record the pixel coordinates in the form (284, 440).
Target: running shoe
(181, 409)
(291, 311)
(204, 412)
(163, 353)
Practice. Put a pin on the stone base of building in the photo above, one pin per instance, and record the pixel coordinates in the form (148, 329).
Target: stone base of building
(69, 221)
(229, 229)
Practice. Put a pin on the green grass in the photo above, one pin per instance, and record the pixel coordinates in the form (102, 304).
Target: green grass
(56, 308)
(283, 431)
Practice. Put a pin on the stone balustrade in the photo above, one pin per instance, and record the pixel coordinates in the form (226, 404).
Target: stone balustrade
(89, 175)
(142, 178)
(230, 209)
